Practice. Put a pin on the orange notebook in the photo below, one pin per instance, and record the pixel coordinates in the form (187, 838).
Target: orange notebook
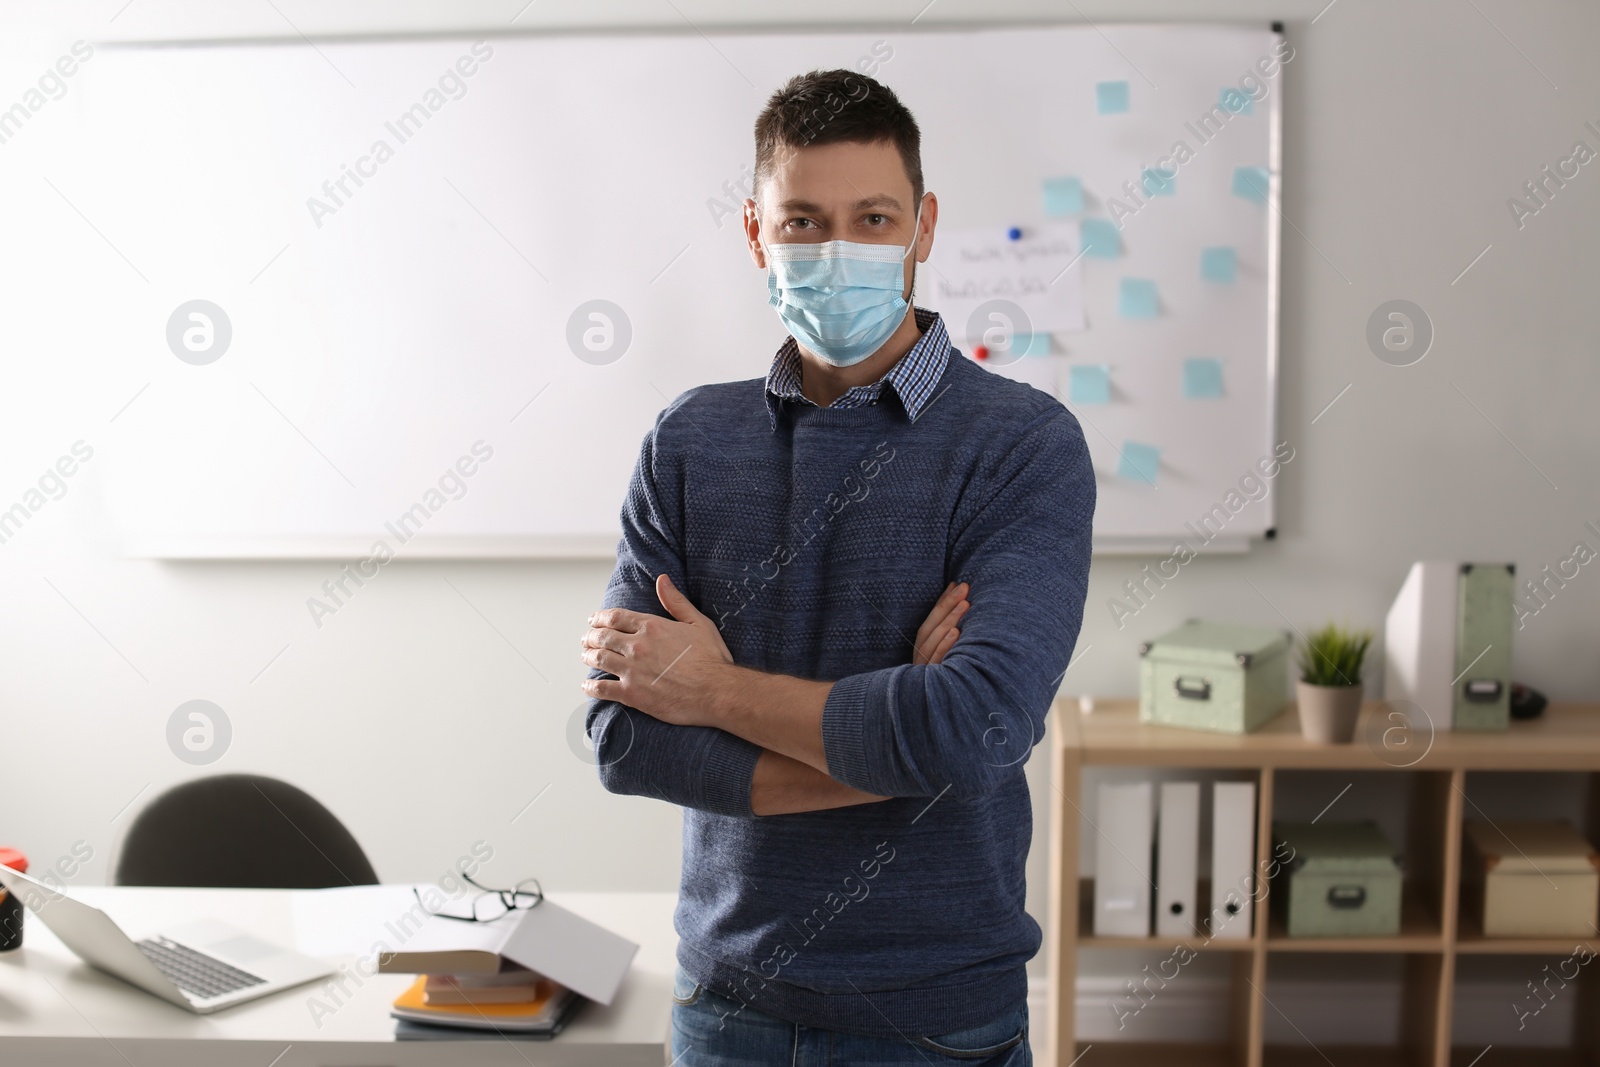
(541, 1014)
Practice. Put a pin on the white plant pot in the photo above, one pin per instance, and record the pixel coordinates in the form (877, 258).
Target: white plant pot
(1328, 712)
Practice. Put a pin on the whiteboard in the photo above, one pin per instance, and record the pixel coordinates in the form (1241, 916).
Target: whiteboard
(408, 256)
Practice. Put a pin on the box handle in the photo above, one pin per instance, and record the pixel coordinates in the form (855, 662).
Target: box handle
(1482, 690)
(1347, 896)
(1192, 688)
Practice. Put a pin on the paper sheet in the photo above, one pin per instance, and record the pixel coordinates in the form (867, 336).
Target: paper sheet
(1089, 385)
(1101, 239)
(1138, 299)
(1251, 183)
(1139, 462)
(1219, 264)
(1202, 378)
(1063, 196)
(1111, 98)
(990, 288)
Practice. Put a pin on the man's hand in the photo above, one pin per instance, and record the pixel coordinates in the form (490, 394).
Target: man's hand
(664, 668)
(676, 669)
(938, 631)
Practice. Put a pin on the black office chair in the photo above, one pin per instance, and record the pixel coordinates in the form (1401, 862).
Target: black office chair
(240, 831)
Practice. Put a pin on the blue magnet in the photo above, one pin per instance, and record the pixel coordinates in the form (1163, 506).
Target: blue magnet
(1015, 233)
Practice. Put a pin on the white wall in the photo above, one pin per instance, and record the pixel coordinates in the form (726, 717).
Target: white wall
(433, 708)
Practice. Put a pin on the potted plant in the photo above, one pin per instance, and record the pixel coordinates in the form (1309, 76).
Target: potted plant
(1329, 688)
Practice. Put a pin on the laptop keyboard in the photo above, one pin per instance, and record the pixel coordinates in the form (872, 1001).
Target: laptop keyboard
(194, 972)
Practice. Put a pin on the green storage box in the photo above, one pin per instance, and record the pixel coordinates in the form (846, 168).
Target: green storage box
(1339, 880)
(1214, 676)
(1482, 699)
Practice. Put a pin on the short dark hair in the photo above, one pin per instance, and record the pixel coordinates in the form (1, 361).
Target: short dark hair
(830, 106)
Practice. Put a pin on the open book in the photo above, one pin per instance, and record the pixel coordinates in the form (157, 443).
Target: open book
(588, 959)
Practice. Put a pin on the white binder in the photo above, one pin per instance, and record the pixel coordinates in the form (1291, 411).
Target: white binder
(1233, 860)
(1177, 859)
(1123, 824)
(1419, 642)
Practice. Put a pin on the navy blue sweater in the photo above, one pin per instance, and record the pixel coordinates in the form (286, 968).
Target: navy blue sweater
(819, 545)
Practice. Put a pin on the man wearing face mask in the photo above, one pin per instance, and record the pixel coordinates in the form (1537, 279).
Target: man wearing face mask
(779, 652)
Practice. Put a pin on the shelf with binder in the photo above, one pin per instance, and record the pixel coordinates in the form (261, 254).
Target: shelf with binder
(1087, 938)
(1422, 788)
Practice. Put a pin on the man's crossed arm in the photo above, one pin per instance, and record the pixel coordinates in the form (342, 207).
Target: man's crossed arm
(679, 672)
(679, 721)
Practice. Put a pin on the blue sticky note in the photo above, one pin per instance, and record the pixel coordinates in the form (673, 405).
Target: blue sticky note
(1030, 344)
(1218, 264)
(1111, 98)
(1138, 299)
(1063, 196)
(1139, 462)
(1089, 385)
(1158, 182)
(1101, 239)
(1202, 378)
(1250, 183)
(1236, 100)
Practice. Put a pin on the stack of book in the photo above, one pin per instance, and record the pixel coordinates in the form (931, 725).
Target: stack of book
(518, 1003)
(524, 974)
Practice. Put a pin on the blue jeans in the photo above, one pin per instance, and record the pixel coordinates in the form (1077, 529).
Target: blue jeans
(710, 1030)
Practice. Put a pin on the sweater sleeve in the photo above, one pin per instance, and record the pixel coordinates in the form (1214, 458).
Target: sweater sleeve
(1022, 539)
(692, 766)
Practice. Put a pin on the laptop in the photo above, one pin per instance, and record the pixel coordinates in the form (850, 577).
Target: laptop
(200, 966)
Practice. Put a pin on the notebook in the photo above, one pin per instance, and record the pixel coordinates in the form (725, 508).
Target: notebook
(546, 1015)
(406, 1030)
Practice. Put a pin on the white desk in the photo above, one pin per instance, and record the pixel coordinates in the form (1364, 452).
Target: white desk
(56, 1011)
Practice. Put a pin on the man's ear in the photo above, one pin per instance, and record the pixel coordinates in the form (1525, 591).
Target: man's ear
(930, 216)
(752, 233)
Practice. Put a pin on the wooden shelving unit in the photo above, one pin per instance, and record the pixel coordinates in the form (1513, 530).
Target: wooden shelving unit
(1433, 933)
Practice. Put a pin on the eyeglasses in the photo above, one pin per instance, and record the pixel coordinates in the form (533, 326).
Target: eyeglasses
(492, 904)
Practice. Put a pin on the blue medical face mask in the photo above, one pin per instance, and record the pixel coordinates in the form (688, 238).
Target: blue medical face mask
(840, 299)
